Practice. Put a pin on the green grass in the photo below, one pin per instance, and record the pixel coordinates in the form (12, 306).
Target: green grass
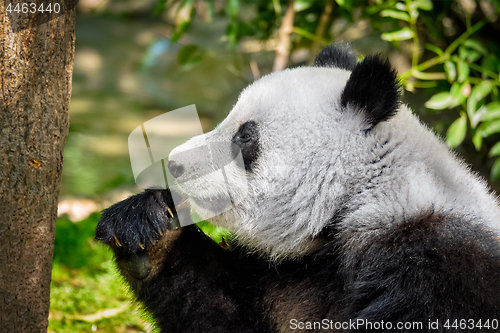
(87, 293)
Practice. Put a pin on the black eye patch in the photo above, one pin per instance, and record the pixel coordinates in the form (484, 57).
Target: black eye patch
(246, 141)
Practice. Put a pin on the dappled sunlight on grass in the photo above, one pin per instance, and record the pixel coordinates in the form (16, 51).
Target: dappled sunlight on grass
(83, 303)
(87, 294)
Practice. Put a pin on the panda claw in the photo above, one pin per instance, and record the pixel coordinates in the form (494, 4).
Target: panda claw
(142, 246)
(117, 242)
(170, 212)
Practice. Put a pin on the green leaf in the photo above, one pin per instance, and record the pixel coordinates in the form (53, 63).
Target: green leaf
(495, 170)
(489, 127)
(401, 6)
(186, 54)
(160, 7)
(232, 8)
(487, 112)
(482, 90)
(451, 71)
(472, 108)
(456, 133)
(491, 111)
(476, 45)
(300, 5)
(232, 32)
(477, 94)
(491, 62)
(457, 97)
(468, 55)
(395, 14)
(402, 34)
(372, 10)
(309, 35)
(184, 13)
(195, 60)
(439, 101)
(463, 70)
(217, 234)
(179, 31)
(347, 4)
(182, 20)
(423, 4)
(495, 150)
(434, 49)
(477, 140)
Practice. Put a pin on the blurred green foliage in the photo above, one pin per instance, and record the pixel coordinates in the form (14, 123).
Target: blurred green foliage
(460, 67)
(74, 245)
(470, 67)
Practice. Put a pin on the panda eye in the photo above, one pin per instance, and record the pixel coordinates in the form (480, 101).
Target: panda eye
(246, 137)
(246, 142)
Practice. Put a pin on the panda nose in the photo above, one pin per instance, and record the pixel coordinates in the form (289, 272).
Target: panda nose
(175, 169)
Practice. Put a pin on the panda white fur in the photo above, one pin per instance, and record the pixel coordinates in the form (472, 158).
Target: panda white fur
(352, 212)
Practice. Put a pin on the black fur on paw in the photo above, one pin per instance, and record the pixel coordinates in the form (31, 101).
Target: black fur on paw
(135, 224)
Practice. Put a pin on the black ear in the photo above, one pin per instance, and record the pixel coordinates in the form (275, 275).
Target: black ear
(373, 89)
(338, 56)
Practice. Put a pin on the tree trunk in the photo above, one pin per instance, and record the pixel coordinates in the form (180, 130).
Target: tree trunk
(36, 65)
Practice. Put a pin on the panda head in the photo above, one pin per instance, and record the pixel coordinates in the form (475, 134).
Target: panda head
(282, 164)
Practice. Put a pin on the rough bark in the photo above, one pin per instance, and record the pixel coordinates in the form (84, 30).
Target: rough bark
(36, 66)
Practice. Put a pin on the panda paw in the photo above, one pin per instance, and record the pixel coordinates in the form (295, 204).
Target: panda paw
(136, 224)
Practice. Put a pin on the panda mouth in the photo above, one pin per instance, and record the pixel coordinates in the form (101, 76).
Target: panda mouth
(216, 205)
(206, 200)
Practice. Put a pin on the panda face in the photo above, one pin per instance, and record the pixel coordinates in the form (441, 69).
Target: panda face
(273, 171)
(277, 125)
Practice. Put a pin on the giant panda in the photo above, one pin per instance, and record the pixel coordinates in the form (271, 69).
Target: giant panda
(354, 217)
